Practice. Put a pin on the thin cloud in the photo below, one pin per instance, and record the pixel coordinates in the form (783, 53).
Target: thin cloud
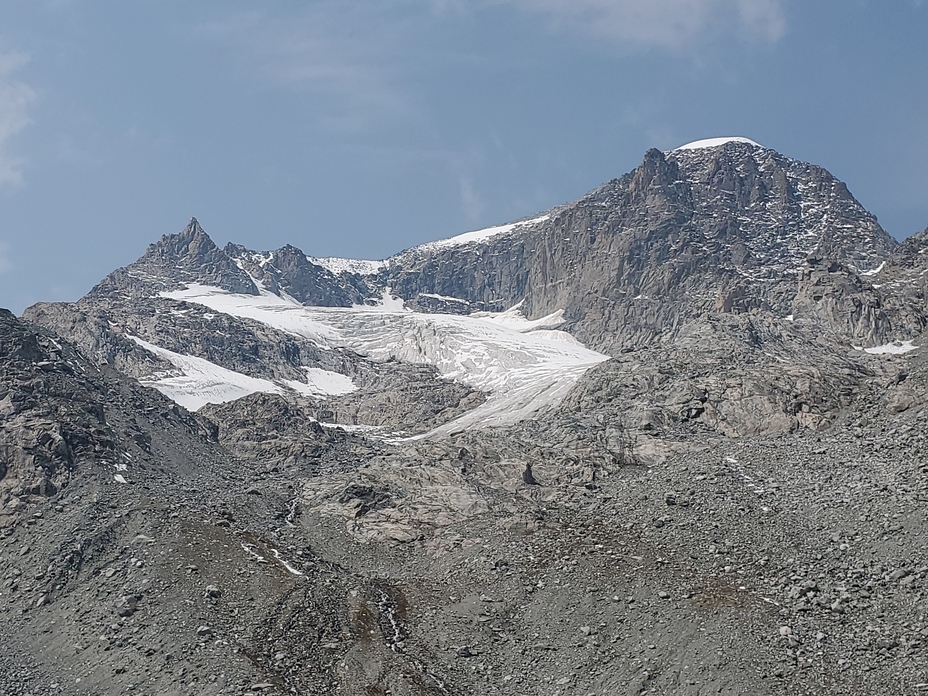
(763, 19)
(15, 98)
(5, 264)
(355, 57)
(669, 24)
(471, 203)
(337, 51)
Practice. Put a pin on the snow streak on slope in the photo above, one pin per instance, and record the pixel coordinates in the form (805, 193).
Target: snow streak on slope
(202, 382)
(478, 235)
(322, 382)
(897, 348)
(524, 365)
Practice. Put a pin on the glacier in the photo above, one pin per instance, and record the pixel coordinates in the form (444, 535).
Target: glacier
(523, 365)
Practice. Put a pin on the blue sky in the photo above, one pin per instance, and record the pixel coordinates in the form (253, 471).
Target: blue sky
(362, 127)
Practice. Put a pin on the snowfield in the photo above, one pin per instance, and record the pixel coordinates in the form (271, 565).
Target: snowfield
(523, 365)
(267, 308)
(197, 382)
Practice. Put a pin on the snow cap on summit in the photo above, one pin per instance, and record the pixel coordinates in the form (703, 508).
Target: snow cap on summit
(716, 142)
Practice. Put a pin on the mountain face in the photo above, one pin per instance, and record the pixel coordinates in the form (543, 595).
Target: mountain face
(731, 249)
(735, 228)
(666, 438)
(689, 232)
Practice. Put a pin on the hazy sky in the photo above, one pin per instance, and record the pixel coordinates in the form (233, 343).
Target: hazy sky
(362, 127)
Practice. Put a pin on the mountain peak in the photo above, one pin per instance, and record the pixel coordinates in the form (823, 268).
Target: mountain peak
(194, 227)
(717, 142)
(193, 237)
(188, 256)
(192, 242)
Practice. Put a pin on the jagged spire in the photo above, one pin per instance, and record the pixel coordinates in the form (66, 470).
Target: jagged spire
(193, 228)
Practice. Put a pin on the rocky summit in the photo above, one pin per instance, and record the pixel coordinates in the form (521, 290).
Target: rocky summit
(669, 438)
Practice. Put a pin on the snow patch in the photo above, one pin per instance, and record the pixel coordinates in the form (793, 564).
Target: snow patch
(200, 381)
(321, 382)
(894, 348)
(249, 548)
(443, 298)
(337, 265)
(479, 235)
(874, 271)
(388, 302)
(514, 319)
(280, 559)
(349, 428)
(715, 142)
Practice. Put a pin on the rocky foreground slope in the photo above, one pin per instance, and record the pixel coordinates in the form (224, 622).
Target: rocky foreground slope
(667, 439)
